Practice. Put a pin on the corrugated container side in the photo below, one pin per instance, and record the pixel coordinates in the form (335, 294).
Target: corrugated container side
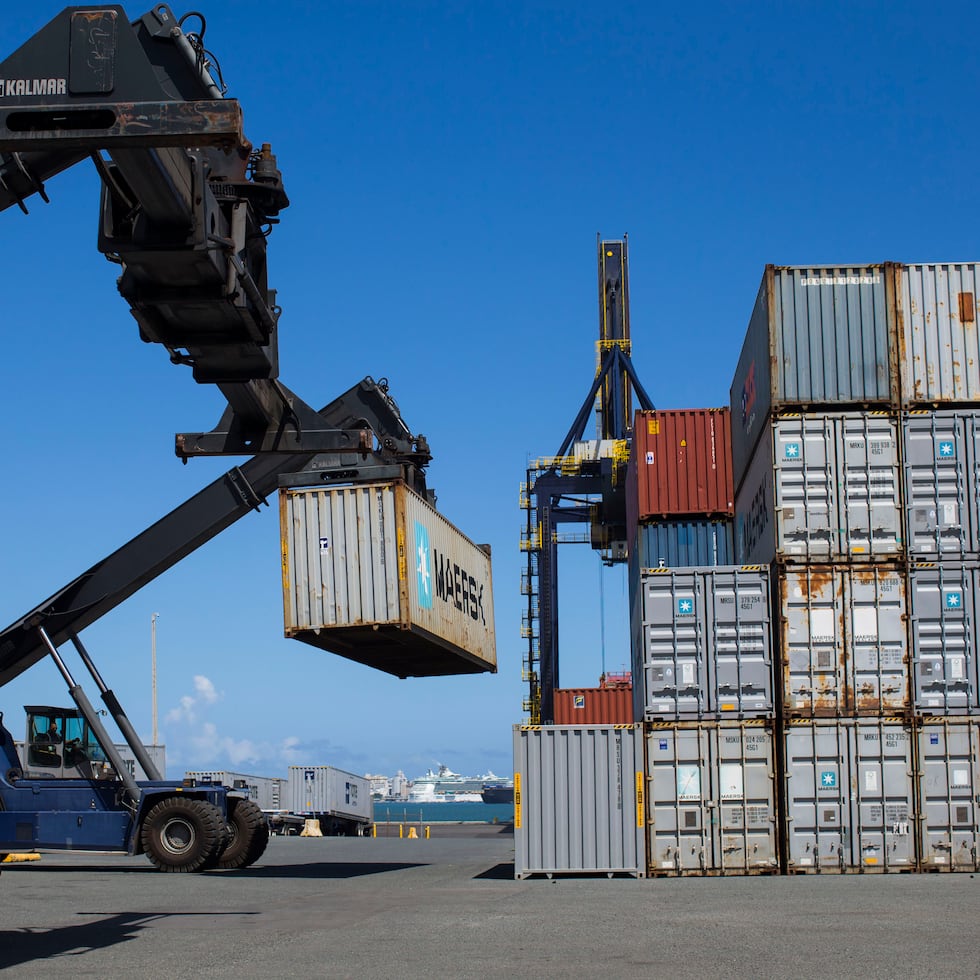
(942, 606)
(843, 640)
(331, 791)
(822, 487)
(849, 798)
(704, 646)
(680, 463)
(375, 574)
(938, 331)
(937, 477)
(683, 544)
(578, 800)
(818, 337)
(710, 798)
(948, 770)
(594, 705)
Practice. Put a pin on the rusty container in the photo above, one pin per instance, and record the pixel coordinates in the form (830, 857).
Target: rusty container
(680, 464)
(711, 807)
(937, 331)
(594, 705)
(374, 573)
(842, 640)
(817, 338)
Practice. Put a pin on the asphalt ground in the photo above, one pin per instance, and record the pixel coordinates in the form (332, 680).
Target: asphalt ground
(450, 907)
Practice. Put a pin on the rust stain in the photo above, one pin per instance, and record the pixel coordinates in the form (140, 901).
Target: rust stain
(967, 309)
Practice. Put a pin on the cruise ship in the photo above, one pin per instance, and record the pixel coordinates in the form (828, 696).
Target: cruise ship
(446, 786)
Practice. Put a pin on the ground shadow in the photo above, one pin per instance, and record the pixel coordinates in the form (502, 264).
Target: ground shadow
(326, 869)
(20, 946)
(499, 872)
(319, 869)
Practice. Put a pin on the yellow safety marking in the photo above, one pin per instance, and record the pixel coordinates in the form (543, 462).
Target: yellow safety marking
(19, 858)
(653, 427)
(517, 800)
(639, 800)
(402, 564)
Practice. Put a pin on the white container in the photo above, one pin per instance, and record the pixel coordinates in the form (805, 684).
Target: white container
(267, 792)
(325, 792)
(822, 488)
(578, 800)
(375, 574)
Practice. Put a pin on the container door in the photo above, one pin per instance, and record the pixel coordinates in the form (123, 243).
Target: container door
(740, 645)
(972, 423)
(936, 504)
(679, 800)
(943, 638)
(817, 766)
(881, 797)
(673, 645)
(871, 517)
(877, 640)
(949, 789)
(804, 459)
(941, 344)
(812, 633)
(742, 768)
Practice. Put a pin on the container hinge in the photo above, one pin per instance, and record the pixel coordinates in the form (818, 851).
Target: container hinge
(243, 489)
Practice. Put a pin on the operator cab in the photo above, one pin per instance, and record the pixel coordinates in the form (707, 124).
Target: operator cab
(60, 745)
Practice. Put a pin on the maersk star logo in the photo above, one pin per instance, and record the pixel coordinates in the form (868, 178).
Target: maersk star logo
(423, 566)
(685, 607)
(792, 450)
(946, 450)
(954, 600)
(828, 779)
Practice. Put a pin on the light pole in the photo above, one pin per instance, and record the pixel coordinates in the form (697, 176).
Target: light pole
(153, 663)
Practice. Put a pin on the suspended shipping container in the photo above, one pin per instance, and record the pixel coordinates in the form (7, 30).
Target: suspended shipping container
(375, 574)
(578, 800)
(842, 640)
(711, 798)
(949, 794)
(594, 705)
(848, 796)
(938, 333)
(702, 644)
(942, 606)
(822, 487)
(821, 337)
(680, 464)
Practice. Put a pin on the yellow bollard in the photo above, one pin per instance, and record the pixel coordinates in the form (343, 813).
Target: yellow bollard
(374, 830)
(401, 831)
(426, 831)
(411, 834)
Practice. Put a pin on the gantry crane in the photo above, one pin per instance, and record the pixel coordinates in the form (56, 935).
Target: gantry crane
(582, 484)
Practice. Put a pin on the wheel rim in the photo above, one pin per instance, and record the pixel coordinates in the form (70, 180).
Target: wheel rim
(178, 836)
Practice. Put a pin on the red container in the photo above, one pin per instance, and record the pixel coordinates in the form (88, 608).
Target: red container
(680, 464)
(594, 705)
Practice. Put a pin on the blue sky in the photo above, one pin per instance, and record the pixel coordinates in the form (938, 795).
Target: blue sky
(449, 166)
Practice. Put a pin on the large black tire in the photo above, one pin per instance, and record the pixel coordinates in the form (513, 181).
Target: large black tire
(249, 832)
(183, 835)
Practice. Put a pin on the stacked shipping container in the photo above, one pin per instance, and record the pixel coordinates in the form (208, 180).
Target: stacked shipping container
(702, 653)
(856, 475)
(819, 710)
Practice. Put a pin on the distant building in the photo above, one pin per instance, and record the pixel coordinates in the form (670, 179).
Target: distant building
(380, 785)
(399, 786)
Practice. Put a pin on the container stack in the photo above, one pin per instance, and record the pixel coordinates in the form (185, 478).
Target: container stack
(940, 387)
(854, 489)
(611, 703)
(702, 654)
